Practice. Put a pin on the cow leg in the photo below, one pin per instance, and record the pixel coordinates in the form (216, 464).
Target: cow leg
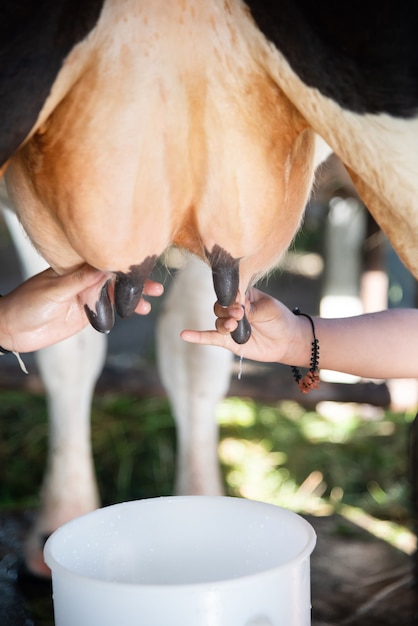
(196, 378)
(69, 371)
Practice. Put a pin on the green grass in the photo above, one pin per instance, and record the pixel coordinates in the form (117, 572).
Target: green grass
(308, 462)
(277, 453)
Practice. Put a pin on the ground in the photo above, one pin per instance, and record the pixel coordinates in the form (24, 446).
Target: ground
(357, 580)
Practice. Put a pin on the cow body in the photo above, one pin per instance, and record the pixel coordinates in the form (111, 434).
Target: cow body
(213, 153)
(128, 126)
(183, 114)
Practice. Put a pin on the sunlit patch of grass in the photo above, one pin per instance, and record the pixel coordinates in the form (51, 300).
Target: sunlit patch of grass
(315, 463)
(397, 535)
(317, 428)
(258, 473)
(233, 411)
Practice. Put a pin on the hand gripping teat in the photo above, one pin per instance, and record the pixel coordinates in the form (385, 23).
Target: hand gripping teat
(225, 272)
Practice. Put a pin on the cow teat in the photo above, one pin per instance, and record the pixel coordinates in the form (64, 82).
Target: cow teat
(130, 285)
(102, 318)
(225, 273)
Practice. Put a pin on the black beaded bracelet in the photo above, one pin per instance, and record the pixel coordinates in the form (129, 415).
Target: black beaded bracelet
(311, 378)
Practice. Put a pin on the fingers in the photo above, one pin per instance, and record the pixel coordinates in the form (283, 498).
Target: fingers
(151, 288)
(226, 322)
(70, 285)
(205, 337)
(86, 276)
(234, 311)
(143, 307)
(227, 318)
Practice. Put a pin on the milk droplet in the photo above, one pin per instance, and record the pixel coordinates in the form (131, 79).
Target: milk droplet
(240, 367)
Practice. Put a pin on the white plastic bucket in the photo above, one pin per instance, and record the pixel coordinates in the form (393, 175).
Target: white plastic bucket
(183, 561)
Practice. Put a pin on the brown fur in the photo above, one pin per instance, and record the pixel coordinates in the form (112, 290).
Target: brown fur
(171, 132)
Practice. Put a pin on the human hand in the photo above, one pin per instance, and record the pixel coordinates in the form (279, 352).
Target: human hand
(276, 334)
(49, 308)
(153, 289)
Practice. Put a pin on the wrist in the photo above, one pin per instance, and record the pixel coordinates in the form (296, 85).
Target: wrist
(301, 346)
(310, 380)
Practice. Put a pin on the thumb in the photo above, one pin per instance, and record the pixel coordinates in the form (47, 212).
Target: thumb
(78, 280)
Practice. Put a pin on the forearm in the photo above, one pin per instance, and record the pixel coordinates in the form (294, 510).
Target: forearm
(376, 345)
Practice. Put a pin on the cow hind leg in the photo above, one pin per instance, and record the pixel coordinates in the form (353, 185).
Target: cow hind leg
(69, 371)
(195, 377)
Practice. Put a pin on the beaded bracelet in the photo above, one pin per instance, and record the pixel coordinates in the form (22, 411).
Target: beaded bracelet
(311, 378)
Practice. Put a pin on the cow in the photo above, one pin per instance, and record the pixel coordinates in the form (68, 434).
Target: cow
(128, 126)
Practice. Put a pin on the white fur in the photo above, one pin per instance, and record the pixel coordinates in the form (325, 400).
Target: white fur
(196, 378)
(69, 371)
(381, 150)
